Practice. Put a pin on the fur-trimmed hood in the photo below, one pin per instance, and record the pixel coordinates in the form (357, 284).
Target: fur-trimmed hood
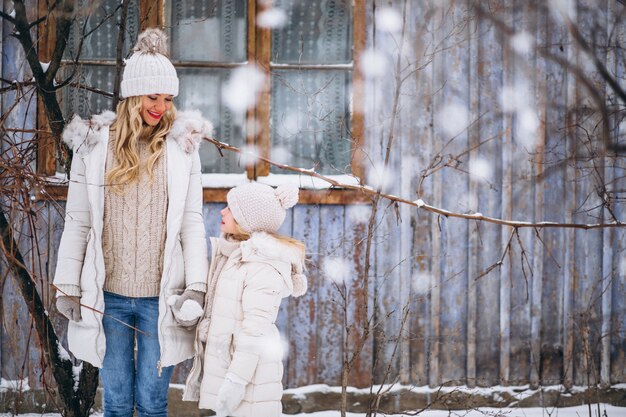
(285, 258)
(188, 130)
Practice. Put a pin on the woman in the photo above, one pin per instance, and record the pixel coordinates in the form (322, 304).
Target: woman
(237, 368)
(134, 234)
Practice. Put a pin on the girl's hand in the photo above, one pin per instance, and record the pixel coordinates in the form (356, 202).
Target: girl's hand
(230, 396)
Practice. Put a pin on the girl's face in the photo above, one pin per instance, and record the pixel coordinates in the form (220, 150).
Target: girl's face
(153, 106)
(229, 225)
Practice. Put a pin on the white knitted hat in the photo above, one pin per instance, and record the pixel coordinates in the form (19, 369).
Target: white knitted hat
(148, 70)
(260, 208)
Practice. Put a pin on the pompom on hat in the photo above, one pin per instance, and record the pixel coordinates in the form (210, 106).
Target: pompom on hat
(260, 208)
(148, 70)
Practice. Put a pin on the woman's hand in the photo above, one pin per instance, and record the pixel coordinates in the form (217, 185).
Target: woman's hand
(187, 308)
(69, 306)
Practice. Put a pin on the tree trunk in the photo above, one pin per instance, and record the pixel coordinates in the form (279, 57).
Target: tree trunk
(77, 402)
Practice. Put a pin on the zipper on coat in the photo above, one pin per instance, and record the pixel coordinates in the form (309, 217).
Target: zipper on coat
(95, 267)
(160, 330)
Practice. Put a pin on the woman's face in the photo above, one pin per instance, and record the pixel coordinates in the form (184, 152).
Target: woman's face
(153, 106)
(229, 225)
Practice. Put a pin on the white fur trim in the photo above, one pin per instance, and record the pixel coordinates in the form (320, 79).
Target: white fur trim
(264, 247)
(188, 130)
(82, 135)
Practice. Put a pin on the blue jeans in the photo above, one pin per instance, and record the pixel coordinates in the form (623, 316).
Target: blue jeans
(128, 378)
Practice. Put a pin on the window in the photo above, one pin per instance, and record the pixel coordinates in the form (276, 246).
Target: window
(305, 113)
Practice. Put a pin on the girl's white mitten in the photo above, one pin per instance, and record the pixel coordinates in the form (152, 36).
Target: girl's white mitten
(229, 397)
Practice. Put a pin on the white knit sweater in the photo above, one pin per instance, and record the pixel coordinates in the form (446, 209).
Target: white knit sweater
(133, 236)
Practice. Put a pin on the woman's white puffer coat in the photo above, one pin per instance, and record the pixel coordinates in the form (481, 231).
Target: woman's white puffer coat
(243, 338)
(81, 261)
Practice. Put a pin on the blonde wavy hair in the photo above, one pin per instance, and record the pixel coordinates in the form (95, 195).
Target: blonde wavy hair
(128, 129)
(243, 235)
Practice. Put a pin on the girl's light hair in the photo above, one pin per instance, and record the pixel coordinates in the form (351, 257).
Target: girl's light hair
(243, 235)
(128, 129)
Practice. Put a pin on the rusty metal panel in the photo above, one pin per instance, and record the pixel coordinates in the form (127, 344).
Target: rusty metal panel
(329, 320)
(300, 326)
(358, 296)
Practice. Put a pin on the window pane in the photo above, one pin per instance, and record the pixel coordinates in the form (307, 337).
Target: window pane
(83, 102)
(317, 32)
(310, 120)
(102, 43)
(209, 31)
(201, 89)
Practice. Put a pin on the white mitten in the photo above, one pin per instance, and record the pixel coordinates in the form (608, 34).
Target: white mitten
(229, 396)
(187, 308)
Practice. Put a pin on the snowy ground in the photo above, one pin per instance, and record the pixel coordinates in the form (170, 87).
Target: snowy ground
(580, 411)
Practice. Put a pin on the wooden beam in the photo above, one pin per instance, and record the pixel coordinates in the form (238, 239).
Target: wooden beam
(151, 14)
(263, 51)
(218, 195)
(358, 96)
(46, 164)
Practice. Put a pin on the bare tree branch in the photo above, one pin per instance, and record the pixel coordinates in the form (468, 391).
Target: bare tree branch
(365, 189)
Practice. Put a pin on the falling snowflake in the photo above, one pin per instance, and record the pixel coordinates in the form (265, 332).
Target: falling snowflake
(273, 18)
(336, 269)
(240, 92)
(388, 20)
(421, 283)
(481, 169)
(453, 118)
(373, 63)
(522, 42)
(249, 155)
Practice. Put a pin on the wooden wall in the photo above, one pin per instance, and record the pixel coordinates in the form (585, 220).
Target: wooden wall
(552, 312)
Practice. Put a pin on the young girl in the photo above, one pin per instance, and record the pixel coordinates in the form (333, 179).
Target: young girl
(237, 369)
(134, 235)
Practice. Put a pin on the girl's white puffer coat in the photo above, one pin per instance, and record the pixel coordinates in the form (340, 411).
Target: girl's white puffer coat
(80, 260)
(243, 338)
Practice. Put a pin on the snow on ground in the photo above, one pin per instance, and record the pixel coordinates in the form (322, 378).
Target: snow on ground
(580, 411)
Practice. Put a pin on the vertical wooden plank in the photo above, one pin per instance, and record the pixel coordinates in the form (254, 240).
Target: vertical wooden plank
(522, 191)
(455, 68)
(555, 177)
(537, 276)
(618, 278)
(589, 208)
(385, 284)
(302, 311)
(329, 323)
(394, 234)
(359, 306)
(438, 256)
(4, 28)
(609, 264)
(474, 237)
(507, 213)
(486, 239)
(424, 248)
(570, 273)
